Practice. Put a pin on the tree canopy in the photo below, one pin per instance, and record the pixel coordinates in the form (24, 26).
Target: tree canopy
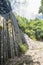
(41, 7)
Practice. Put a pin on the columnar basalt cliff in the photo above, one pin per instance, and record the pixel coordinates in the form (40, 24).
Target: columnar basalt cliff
(9, 33)
(9, 39)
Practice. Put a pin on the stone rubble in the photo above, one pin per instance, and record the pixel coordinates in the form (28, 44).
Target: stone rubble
(35, 50)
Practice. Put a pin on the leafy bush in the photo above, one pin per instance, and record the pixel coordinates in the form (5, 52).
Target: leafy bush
(22, 48)
(33, 28)
(41, 35)
(1, 27)
(27, 32)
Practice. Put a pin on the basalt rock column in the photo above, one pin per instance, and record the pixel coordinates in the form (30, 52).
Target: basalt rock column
(0, 45)
(17, 31)
(9, 45)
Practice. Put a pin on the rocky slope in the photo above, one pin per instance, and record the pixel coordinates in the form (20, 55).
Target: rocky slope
(33, 56)
(35, 50)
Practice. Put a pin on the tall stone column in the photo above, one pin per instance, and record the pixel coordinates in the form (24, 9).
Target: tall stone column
(0, 46)
(17, 32)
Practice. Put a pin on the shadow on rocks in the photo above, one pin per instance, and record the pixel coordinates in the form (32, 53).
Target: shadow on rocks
(24, 60)
(28, 61)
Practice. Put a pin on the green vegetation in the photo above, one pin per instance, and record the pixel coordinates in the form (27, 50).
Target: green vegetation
(41, 8)
(33, 28)
(1, 27)
(22, 48)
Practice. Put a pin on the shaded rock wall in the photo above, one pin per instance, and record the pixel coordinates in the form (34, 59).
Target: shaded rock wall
(9, 38)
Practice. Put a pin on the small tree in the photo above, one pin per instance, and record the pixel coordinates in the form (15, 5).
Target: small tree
(41, 8)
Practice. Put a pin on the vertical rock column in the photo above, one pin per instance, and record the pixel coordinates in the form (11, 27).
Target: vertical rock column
(0, 46)
(4, 42)
(17, 32)
(11, 39)
(16, 28)
(8, 42)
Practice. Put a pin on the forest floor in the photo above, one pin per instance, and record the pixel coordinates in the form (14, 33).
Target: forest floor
(35, 50)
